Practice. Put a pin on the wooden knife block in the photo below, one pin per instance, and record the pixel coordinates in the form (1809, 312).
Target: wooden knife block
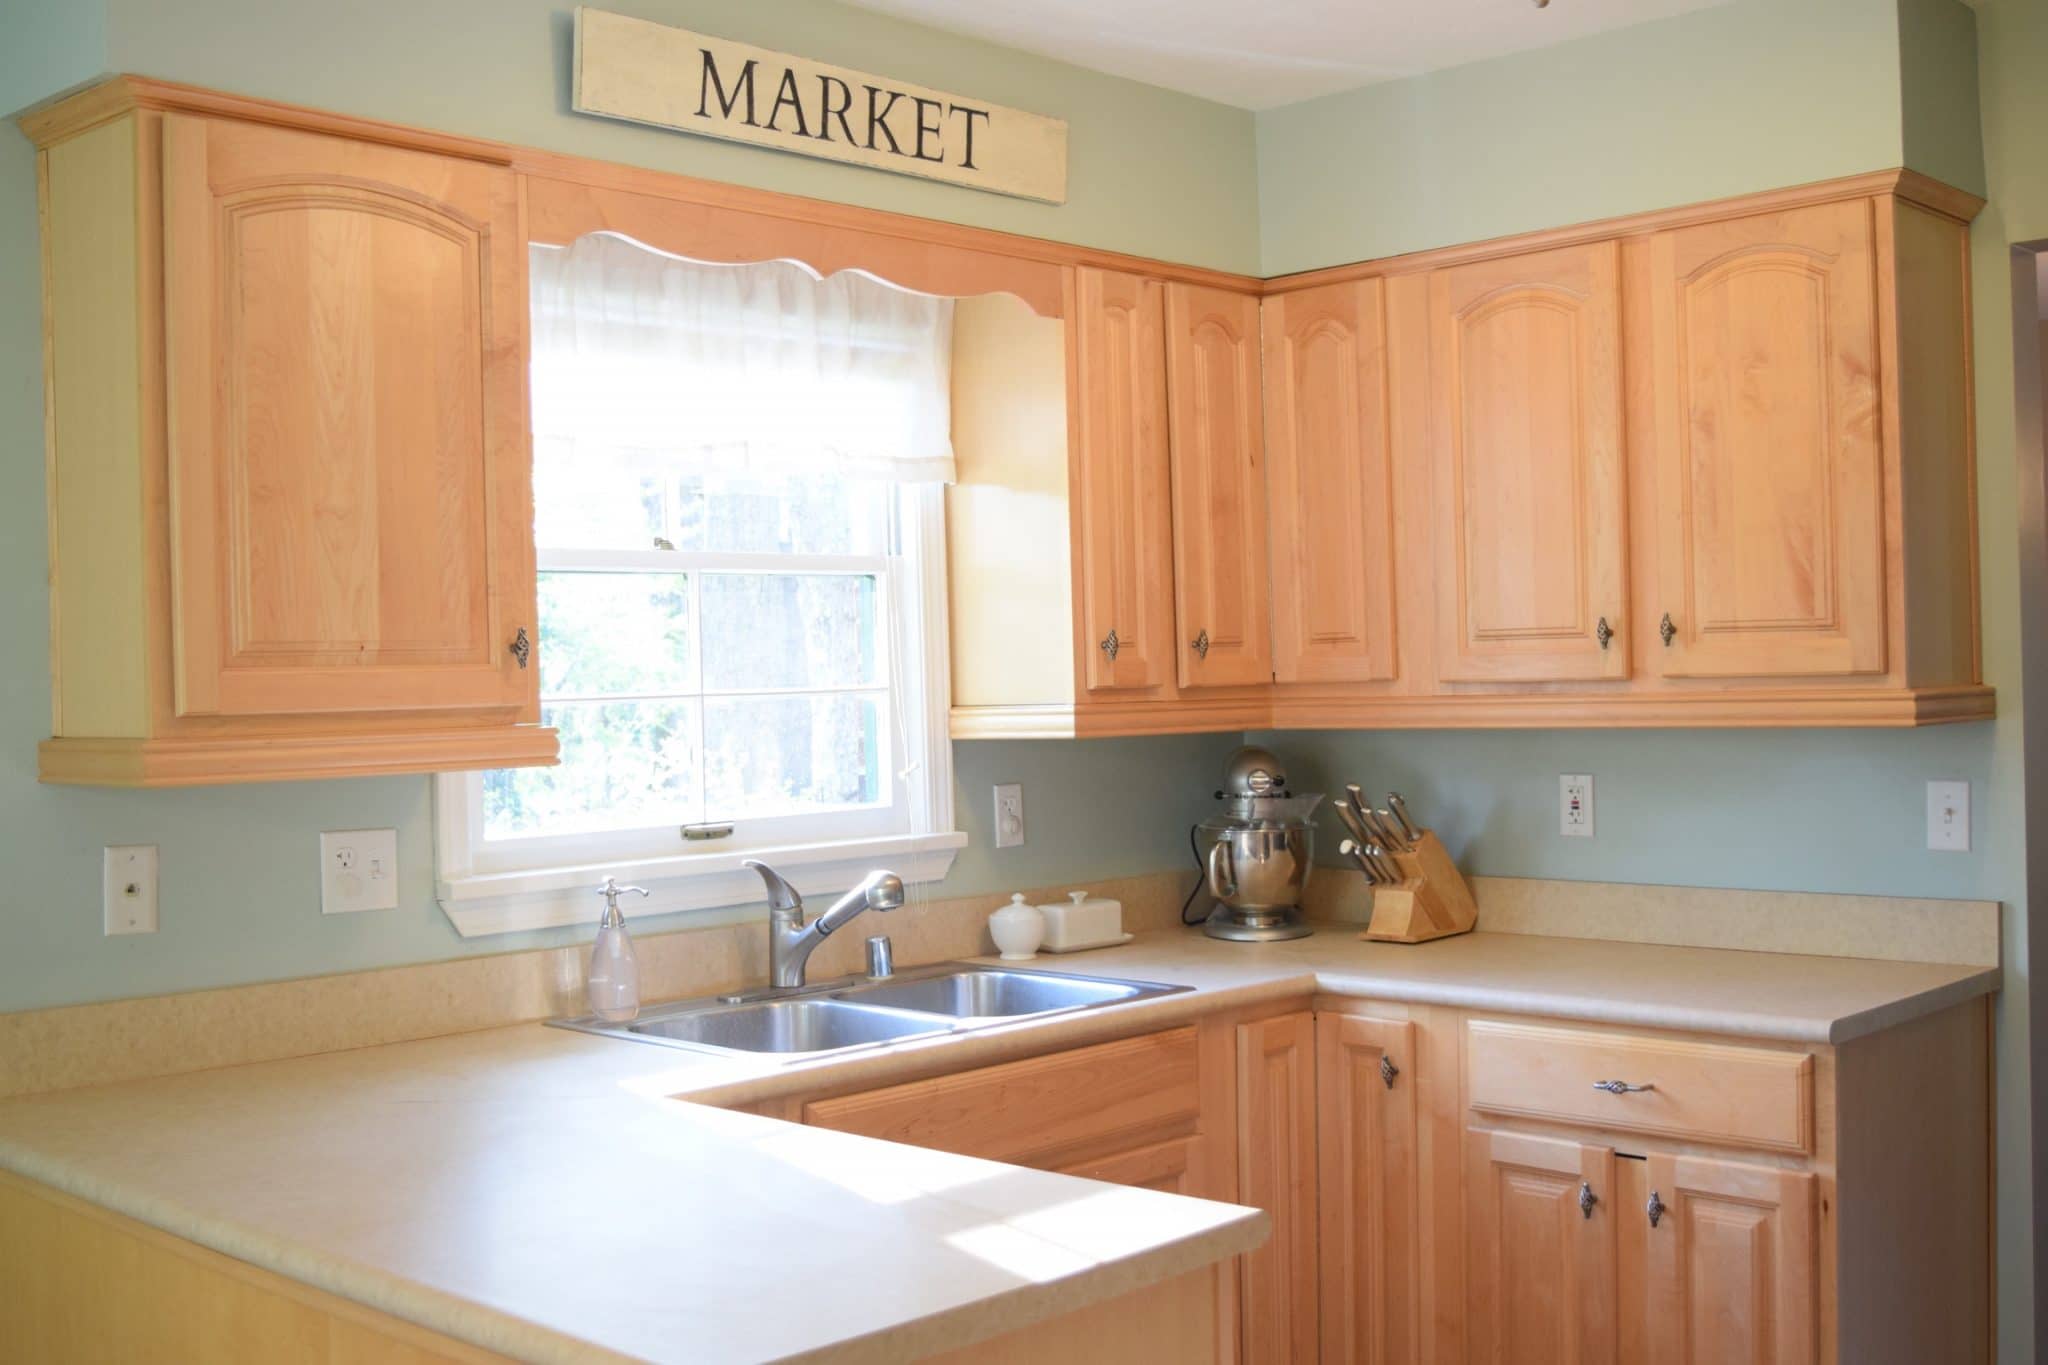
(1431, 901)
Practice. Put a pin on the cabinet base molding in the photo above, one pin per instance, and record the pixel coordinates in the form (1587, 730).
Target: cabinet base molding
(1867, 708)
(289, 758)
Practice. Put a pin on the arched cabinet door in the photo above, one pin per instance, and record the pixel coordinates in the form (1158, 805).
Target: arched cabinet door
(1221, 589)
(1122, 493)
(349, 479)
(1770, 529)
(1525, 416)
(1330, 479)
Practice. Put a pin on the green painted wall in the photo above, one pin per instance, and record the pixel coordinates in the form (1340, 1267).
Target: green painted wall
(1152, 172)
(1748, 96)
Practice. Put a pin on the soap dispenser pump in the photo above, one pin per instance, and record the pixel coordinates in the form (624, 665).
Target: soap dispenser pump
(614, 969)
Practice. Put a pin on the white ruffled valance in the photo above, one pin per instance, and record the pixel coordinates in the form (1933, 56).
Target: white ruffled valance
(761, 366)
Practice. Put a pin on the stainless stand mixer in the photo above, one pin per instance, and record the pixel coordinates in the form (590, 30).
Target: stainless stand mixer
(1256, 852)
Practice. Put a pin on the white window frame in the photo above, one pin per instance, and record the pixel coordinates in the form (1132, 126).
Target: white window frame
(551, 882)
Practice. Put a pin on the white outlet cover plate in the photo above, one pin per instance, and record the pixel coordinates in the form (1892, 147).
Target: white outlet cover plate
(1575, 805)
(1010, 815)
(128, 888)
(358, 870)
(1948, 816)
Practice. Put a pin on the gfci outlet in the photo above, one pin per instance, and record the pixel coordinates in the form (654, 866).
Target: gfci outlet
(358, 870)
(1009, 815)
(1575, 805)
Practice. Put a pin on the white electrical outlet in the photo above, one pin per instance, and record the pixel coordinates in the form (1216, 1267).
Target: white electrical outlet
(1010, 815)
(1575, 805)
(128, 888)
(358, 870)
(1948, 816)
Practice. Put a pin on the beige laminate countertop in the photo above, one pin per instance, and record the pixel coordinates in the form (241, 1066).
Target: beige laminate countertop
(546, 1193)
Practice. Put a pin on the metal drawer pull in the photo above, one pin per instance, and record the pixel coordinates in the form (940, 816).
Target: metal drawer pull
(1201, 644)
(1620, 1087)
(1388, 1070)
(521, 648)
(1587, 1199)
(1603, 632)
(1110, 644)
(1655, 1208)
(1666, 629)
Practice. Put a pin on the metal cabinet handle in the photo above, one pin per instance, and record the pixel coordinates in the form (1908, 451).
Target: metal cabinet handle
(1655, 1208)
(1388, 1070)
(1587, 1199)
(1604, 633)
(521, 647)
(1666, 629)
(1621, 1087)
(1110, 644)
(1201, 643)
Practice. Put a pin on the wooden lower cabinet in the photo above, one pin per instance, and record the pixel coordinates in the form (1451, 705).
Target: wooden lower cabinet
(1730, 1262)
(1368, 1194)
(1440, 1199)
(1539, 1282)
(1276, 1171)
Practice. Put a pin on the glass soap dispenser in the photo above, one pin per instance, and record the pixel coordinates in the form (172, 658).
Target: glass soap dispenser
(614, 970)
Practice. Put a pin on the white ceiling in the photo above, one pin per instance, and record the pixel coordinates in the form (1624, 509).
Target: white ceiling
(1260, 53)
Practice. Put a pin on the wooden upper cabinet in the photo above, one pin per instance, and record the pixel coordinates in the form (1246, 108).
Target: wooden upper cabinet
(1526, 425)
(348, 466)
(1330, 481)
(1540, 1285)
(1769, 445)
(1731, 1264)
(1221, 596)
(1123, 513)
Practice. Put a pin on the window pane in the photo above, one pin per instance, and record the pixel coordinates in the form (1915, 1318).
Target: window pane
(625, 765)
(785, 755)
(585, 499)
(766, 631)
(770, 513)
(603, 634)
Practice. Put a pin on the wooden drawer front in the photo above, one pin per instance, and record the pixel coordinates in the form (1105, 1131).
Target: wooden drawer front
(1048, 1109)
(1703, 1092)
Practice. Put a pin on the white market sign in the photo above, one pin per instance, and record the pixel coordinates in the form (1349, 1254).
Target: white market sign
(650, 73)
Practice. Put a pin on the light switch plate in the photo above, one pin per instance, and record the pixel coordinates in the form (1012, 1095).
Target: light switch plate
(128, 888)
(1948, 816)
(1010, 815)
(1575, 805)
(358, 870)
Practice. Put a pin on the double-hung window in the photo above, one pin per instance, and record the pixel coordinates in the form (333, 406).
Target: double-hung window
(737, 487)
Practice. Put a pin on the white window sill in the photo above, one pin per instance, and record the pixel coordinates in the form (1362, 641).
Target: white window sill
(507, 902)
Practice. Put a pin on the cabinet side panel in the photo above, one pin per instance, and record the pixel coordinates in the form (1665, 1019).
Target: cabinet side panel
(1007, 520)
(1937, 458)
(92, 356)
(1913, 1192)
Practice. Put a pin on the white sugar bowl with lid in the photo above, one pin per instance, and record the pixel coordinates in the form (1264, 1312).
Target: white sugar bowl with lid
(1018, 928)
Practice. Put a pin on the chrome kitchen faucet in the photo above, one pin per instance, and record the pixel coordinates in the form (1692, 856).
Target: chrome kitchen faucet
(791, 941)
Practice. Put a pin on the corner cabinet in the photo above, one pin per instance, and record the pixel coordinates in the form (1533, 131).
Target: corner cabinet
(291, 512)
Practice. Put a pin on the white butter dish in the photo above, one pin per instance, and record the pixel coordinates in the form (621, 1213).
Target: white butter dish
(1081, 922)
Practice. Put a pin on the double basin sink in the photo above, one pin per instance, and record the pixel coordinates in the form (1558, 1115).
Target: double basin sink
(838, 1016)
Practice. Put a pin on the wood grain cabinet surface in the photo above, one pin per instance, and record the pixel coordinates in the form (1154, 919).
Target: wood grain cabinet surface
(1525, 365)
(1123, 503)
(1276, 1171)
(290, 481)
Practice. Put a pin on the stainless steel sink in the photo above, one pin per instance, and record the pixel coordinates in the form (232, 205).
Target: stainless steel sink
(985, 993)
(837, 1016)
(786, 1026)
